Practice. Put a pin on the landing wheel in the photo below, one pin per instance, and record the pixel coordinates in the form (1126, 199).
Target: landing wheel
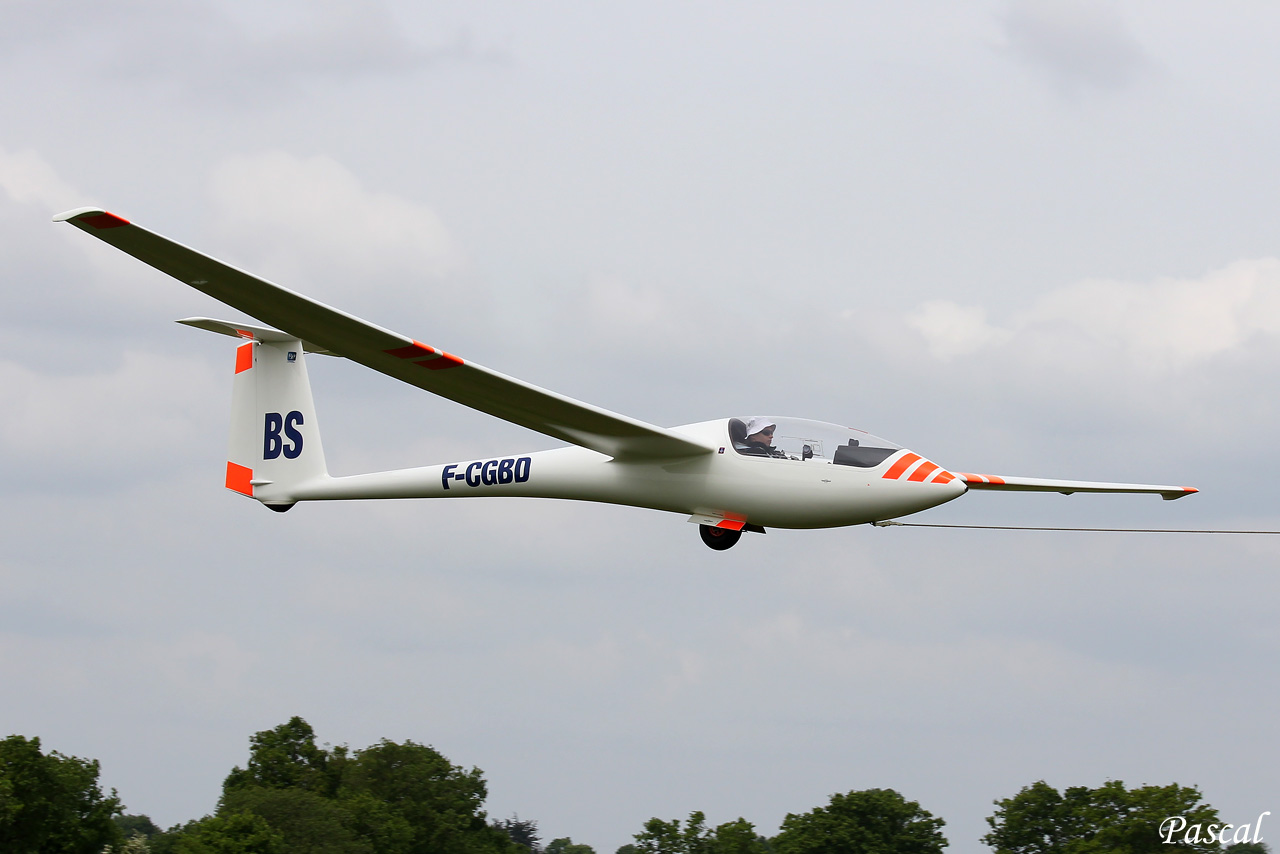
(719, 538)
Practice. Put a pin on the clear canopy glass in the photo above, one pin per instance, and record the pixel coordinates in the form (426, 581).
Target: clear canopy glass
(805, 440)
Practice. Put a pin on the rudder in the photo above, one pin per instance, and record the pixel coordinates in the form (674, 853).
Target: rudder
(275, 438)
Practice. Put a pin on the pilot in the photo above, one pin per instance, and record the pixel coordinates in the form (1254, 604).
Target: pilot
(759, 439)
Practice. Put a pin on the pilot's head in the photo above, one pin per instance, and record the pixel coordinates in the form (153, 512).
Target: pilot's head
(760, 431)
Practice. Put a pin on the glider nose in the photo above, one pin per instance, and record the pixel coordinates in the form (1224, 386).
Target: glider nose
(930, 484)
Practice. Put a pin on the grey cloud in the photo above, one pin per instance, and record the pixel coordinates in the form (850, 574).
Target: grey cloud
(1077, 46)
(200, 50)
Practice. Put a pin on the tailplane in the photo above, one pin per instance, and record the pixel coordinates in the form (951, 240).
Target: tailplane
(275, 438)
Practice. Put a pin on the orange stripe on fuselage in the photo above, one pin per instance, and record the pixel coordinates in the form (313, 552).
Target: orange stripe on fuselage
(926, 468)
(901, 465)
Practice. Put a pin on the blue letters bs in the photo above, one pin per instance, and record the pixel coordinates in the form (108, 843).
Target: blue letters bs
(273, 445)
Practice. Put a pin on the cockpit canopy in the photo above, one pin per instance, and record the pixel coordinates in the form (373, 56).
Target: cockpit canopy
(804, 440)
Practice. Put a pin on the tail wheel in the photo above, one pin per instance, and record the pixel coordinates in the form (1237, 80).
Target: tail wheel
(719, 538)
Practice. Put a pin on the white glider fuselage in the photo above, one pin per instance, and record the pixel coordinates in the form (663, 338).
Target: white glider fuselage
(768, 492)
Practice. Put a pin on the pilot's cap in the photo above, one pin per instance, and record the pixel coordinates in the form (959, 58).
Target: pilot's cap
(755, 425)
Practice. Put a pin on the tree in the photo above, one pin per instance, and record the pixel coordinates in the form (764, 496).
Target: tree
(668, 837)
(389, 798)
(440, 802)
(306, 821)
(1080, 820)
(873, 821)
(565, 845)
(52, 803)
(287, 758)
(237, 833)
(523, 832)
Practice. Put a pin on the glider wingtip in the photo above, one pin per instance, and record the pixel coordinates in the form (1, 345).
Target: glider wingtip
(66, 215)
(1181, 493)
(95, 217)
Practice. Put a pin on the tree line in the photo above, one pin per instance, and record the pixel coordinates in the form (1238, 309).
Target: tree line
(296, 797)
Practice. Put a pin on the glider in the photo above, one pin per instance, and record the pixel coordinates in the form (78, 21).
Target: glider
(728, 475)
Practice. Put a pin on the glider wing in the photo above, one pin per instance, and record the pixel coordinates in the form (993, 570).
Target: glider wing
(326, 329)
(1066, 487)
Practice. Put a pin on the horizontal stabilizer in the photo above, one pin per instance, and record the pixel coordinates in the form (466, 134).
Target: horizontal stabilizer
(248, 331)
(1066, 487)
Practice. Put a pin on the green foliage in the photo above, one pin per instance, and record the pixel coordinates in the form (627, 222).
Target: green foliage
(565, 845)
(873, 821)
(668, 837)
(287, 758)
(440, 802)
(1107, 820)
(52, 803)
(237, 833)
(1248, 848)
(140, 825)
(296, 796)
(521, 831)
(307, 821)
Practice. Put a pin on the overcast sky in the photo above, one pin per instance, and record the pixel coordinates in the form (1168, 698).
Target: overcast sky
(1023, 238)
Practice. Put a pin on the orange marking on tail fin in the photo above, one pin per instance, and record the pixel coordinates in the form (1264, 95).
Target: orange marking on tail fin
(244, 357)
(238, 478)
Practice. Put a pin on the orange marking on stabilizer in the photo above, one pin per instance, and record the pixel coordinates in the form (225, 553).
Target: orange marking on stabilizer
(926, 468)
(901, 465)
(104, 220)
(244, 357)
(416, 350)
(238, 478)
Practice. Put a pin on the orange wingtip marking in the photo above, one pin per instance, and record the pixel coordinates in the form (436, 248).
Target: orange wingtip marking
(926, 468)
(731, 524)
(943, 477)
(1189, 489)
(444, 360)
(900, 466)
(411, 351)
(244, 357)
(104, 220)
(238, 478)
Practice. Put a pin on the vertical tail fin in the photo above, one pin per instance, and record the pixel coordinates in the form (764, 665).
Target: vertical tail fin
(275, 439)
